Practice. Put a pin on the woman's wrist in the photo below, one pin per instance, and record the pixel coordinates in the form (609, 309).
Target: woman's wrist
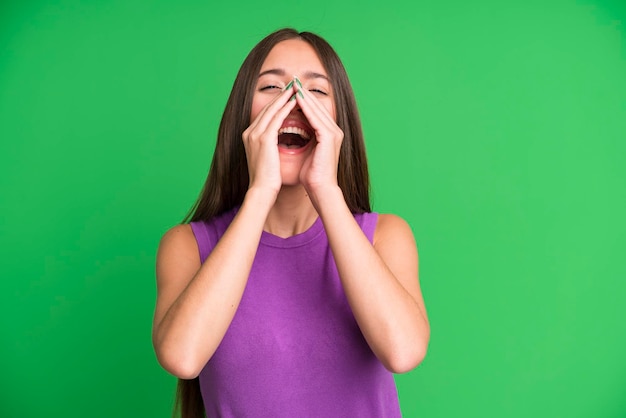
(326, 200)
(260, 198)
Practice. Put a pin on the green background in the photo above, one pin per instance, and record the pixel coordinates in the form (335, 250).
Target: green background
(496, 129)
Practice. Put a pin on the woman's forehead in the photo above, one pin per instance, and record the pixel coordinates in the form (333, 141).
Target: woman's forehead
(293, 56)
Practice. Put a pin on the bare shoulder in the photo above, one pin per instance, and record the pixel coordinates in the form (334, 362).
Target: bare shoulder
(178, 245)
(394, 242)
(392, 229)
(176, 263)
(179, 235)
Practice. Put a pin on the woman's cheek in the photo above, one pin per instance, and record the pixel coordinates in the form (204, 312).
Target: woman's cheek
(256, 109)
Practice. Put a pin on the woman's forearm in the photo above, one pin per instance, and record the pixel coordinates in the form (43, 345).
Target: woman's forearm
(191, 328)
(388, 314)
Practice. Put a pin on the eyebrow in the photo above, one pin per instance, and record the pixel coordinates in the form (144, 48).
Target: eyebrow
(280, 72)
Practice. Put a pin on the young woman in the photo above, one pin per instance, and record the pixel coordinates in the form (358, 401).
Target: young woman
(285, 296)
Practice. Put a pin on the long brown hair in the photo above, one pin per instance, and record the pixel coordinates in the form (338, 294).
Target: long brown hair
(227, 181)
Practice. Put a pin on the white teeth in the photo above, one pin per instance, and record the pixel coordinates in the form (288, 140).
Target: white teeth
(294, 130)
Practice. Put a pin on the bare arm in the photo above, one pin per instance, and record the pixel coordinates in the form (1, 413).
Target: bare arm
(380, 280)
(381, 283)
(196, 303)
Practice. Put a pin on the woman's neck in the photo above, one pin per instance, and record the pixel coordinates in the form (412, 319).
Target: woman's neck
(292, 213)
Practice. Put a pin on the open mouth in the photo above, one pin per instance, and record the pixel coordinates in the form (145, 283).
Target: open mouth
(293, 137)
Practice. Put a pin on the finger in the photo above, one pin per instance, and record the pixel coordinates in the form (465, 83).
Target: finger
(274, 124)
(260, 121)
(316, 113)
(312, 101)
(271, 108)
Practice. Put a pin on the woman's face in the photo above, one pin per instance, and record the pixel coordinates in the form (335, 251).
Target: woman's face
(287, 59)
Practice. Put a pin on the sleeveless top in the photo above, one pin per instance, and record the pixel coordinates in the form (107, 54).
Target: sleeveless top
(294, 348)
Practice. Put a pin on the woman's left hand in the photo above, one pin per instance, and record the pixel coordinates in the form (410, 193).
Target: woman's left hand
(319, 171)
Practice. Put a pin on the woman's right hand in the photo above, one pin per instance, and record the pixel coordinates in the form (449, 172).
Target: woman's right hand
(260, 141)
(196, 301)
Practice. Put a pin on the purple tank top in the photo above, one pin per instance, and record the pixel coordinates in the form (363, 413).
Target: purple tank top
(294, 348)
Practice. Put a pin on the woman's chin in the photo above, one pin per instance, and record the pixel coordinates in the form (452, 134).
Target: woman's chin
(291, 180)
(290, 175)
(290, 168)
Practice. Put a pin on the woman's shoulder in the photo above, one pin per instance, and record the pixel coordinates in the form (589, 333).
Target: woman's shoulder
(196, 237)
(178, 232)
(177, 250)
(392, 228)
(216, 224)
(390, 220)
(178, 238)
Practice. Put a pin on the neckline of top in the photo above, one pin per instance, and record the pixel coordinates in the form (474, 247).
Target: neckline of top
(297, 240)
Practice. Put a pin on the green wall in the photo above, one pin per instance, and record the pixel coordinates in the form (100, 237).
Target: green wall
(497, 129)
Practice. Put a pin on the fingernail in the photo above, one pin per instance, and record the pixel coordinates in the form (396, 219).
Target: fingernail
(289, 85)
(292, 97)
(295, 77)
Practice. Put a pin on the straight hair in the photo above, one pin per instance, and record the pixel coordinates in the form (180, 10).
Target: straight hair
(228, 178)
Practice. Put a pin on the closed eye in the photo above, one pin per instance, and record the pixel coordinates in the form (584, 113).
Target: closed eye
(318, 91)
(270, 87)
